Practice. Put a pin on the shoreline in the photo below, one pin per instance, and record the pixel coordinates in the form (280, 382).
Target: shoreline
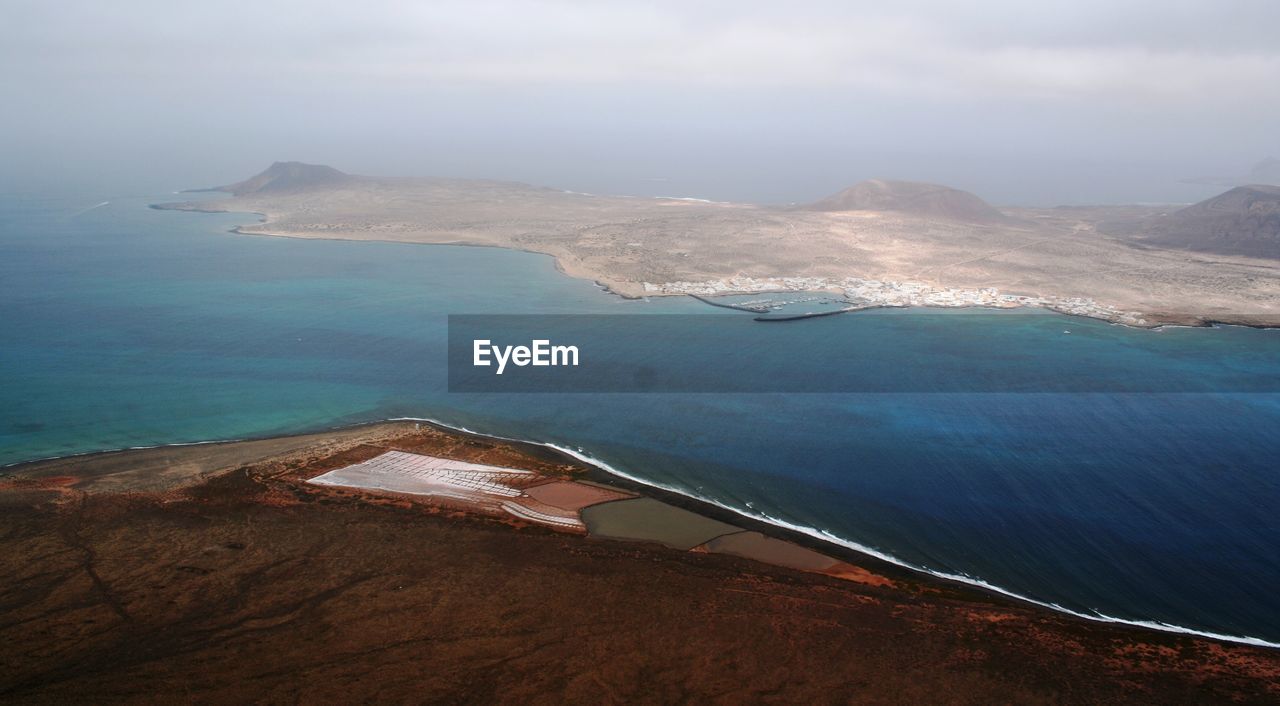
(807, 536)
(1153, 322)
(838, 547)
(243, 556)
(813, 538)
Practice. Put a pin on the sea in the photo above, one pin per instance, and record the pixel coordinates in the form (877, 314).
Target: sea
(123, 326)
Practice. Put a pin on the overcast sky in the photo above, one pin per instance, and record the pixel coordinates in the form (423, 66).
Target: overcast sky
(1020, 102)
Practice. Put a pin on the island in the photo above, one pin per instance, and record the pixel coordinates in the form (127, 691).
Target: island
(878, 243)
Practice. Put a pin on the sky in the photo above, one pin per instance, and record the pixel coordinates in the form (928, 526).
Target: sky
(1023, 103)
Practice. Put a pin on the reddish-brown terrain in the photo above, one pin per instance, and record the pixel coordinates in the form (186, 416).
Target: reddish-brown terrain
(233, 580)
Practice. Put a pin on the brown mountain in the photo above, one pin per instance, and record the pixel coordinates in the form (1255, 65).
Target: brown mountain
(288, 176)
(914, 198)
(1242, 221)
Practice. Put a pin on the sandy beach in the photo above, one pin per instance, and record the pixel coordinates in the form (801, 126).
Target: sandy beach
(217, 571)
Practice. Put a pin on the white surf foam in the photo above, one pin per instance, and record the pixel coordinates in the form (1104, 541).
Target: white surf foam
(95, 206)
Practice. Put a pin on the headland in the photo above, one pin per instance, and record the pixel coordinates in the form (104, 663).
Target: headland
(174, 572)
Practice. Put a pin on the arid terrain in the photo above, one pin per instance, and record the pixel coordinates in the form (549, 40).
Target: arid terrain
(1243, 221)
(218, 574)
(904, 238)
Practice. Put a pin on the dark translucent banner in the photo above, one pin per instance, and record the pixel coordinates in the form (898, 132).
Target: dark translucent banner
(892, 351)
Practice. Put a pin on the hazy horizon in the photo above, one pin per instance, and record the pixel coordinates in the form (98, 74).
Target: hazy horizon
(1059, 103)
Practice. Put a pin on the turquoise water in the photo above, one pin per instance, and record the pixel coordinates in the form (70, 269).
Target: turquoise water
(124, 326)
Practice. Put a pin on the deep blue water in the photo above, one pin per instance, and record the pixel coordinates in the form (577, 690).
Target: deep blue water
(124, 326)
